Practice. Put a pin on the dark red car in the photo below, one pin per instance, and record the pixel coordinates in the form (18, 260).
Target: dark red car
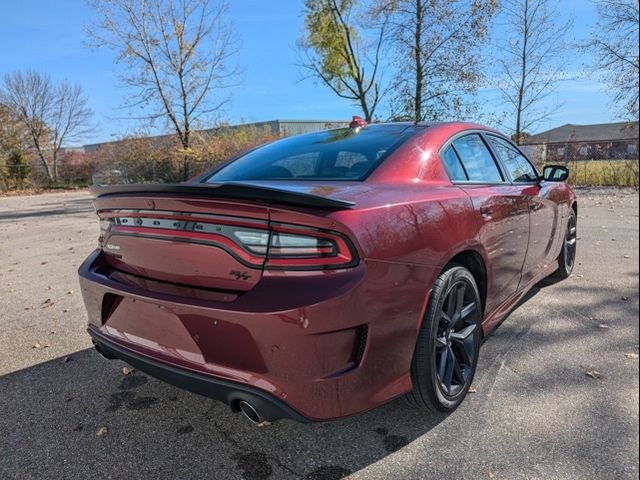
(325, 274)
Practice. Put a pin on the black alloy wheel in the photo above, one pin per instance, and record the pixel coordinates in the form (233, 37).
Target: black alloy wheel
(455, 343)
(446, 353)
(567, 258)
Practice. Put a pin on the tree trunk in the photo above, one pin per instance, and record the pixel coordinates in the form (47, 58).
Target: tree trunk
(186, 155)
(417, 99)
(523, 75)
(47, 170)
(55, 167)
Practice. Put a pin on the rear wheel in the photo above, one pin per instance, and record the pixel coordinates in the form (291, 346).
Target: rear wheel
(567, 258)
(446, 353)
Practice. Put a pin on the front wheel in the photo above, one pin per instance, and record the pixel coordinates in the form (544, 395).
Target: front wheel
(446, 353)
(567, 258)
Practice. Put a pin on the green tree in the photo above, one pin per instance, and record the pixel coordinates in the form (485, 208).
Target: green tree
(18, 168)
(342, 48)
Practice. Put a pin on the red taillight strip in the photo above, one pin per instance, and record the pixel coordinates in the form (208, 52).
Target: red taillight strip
(182, 235)
(188, 228)
(344, 254)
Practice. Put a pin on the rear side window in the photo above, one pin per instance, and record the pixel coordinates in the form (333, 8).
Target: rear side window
(476, 159)
(342, 154)
(296, 165)
(518, 167)
(453, 166)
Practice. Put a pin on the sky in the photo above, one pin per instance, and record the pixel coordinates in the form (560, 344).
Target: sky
(50, 36)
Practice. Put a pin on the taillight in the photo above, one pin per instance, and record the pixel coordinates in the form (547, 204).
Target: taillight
(284, 247)
(298, 251)
(105, 226)
(293, 249)
(252, 240)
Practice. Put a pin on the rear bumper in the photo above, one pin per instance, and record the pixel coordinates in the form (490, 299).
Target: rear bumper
(324, 345)
(225, 391)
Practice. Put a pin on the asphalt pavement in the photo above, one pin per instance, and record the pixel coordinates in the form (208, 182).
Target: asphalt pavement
(556, 392)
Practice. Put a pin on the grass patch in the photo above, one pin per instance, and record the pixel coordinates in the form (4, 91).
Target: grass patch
(610, 173)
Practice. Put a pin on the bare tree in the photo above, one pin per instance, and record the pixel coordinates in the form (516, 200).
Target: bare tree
(52, 114)
(615, 41)
(177, 55)
(342, 48)
(436, 55)
(532, 61)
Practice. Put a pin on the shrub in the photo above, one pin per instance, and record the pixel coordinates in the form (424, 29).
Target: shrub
(16, 169)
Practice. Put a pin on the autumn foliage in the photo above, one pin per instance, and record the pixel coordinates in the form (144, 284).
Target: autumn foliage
(143, 159)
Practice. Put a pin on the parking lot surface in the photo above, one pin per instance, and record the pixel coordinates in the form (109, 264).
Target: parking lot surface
(556, 387)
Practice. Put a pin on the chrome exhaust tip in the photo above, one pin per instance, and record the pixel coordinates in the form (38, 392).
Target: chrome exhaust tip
(252, 414)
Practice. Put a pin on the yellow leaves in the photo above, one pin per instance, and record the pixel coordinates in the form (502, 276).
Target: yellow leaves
(178, 29)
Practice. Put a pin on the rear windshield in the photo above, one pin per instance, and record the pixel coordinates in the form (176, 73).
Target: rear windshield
(343, 154)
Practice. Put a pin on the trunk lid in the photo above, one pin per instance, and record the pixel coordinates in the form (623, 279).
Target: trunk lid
(206, 236)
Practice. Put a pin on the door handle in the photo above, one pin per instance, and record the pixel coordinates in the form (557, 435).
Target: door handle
(485, 212)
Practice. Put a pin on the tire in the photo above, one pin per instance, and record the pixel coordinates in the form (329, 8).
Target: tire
(440, 383)
(567, 257)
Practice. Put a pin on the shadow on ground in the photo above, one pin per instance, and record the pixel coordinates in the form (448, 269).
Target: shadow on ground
(54, 411)
(57, 407)
(50, 209)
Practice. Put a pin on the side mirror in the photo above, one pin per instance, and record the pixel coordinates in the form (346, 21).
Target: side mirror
(555, 173)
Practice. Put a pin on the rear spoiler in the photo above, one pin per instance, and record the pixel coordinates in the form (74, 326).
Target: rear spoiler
(227, 190)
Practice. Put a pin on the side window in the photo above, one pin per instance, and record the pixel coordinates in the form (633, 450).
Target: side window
(452, 165)
(476, 159)
(519, 168)
(301, 165)
(349, 159)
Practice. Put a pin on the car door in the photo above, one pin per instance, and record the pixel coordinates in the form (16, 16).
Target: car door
(544, 214)
(501, 212)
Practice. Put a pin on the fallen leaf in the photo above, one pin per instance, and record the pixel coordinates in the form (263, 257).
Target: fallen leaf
(127, 370)
(631, 355)
(594, 374)
(101, 431)
(472, 389)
